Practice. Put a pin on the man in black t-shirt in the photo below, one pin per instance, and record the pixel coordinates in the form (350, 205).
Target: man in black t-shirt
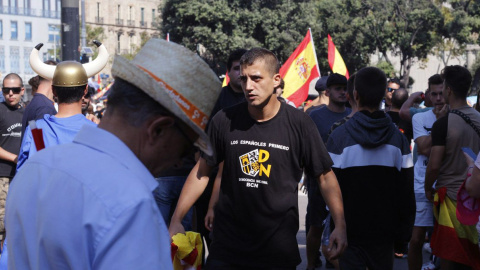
(42, 101)
(11, 113)
(264, 145)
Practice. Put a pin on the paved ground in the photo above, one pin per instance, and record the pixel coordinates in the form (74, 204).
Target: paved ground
(399, 264)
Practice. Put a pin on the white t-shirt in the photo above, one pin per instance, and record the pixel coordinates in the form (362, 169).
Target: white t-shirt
(422, 125)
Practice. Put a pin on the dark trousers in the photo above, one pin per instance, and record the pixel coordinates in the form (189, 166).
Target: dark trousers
(373, 256)
(221, 265)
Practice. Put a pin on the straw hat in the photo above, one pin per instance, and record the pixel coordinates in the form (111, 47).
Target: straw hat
(176, 78)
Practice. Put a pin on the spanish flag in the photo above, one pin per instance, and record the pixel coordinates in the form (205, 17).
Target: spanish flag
(299, 70)
(452, 240)
(335, 60)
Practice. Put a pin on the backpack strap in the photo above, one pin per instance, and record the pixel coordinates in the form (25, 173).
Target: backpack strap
(467, 119)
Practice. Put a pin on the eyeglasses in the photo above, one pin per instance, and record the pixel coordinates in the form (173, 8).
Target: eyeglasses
(389, 89)
(15, 90)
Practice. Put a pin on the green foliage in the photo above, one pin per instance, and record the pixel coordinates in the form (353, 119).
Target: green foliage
(222, 26)
(94, 33)
(144, 37)
(387, 68)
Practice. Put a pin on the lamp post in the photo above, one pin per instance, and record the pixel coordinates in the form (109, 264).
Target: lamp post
(70, 30)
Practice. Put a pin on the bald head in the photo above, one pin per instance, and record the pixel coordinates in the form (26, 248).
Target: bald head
(13, 77)
(399, 97)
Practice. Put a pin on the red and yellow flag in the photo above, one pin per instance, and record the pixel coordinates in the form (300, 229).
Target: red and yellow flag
(226, 80)
(299, 70)
(335, 60)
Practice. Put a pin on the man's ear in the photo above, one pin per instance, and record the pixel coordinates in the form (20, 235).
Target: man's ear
(157, 125)
(276, 80)
(355, 96)
(54, 92)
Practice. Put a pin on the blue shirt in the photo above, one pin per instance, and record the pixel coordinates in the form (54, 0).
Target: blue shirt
(85, 205)
(324, 119)
(55, 131)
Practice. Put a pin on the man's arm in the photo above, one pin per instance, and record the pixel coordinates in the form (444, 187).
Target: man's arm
(196, 183)
(210, 216)
(435, 161)
(405, 110)
(5, 155)
(333, 197)
(424, 145)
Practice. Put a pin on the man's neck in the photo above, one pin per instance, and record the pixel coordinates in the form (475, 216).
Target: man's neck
(267, 112)
(392, 109)
(363, 108)
(46, 90)
(336, 107)
(235, 89)
(66, 110)
(457, 103)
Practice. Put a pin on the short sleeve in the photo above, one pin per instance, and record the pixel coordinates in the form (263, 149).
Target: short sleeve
(214, 132)
(439, 131)
(26, 149)
(316, 158)
(418, 127)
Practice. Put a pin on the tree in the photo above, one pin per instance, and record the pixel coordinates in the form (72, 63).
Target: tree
(404, 28)
(224, 25)
(95, 33)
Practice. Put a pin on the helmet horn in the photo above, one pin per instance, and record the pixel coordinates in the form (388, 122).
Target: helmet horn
(42, 69)
(99, 63)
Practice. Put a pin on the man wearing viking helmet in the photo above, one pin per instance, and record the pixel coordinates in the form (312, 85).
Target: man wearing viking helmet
(69, 85)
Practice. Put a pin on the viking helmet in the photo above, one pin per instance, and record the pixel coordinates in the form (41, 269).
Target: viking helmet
(69, 73)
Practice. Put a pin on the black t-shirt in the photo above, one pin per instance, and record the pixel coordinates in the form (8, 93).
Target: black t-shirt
(256, 217)
(227, 98)
(36, 109)
(404, 126)
(10, 137)
(439, 131)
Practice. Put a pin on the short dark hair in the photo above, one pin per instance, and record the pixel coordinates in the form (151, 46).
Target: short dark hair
(351, 85)
(235, 56)
(435, 80)
(394, 80)
(370, 84)
(132, 103)
(458, 78)
(69, 95)
(252, 55)
(399, 97)
(34, 82)
(13, 76)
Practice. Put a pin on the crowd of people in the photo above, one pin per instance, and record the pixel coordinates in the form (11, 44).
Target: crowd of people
(384, 175)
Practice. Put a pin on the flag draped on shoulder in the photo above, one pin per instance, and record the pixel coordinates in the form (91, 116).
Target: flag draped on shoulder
(335, 60)
(299, 70)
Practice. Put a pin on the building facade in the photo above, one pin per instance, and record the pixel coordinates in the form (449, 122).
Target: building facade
(125, 24)
(24, 24)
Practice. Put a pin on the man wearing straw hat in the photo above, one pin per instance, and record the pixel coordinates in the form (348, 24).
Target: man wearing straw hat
(264, 145)
(78, 214)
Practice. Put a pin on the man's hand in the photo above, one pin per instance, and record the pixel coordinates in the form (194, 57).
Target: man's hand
(417, 97)
(441, 112)
(469, 159)
(175, 227)
(430, 193)
(209, 218)
(92, 118)
(337, 243)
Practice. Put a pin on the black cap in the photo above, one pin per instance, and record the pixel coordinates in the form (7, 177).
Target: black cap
(321, 84)
(336, 78)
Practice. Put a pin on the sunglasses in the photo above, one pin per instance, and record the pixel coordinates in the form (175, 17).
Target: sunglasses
(389, 89)
(15, 90)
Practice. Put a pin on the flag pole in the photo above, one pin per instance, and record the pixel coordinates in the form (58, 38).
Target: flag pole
(314, 51)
